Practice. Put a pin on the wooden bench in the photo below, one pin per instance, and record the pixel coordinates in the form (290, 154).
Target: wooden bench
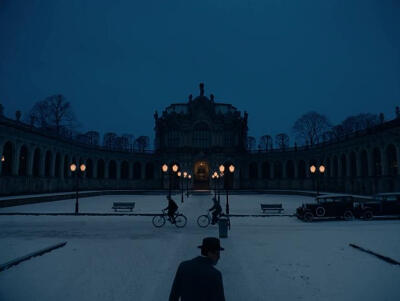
(123, 205)
(273, 207)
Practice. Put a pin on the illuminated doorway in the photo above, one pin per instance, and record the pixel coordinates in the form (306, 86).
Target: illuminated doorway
(201, 175)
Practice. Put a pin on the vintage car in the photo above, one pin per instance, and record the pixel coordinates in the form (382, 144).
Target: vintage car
(330, 206)
(382, 204)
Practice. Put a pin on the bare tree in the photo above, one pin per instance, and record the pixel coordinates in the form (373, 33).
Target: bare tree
(128, 142)
(282, 140)
(53, 113)
(311, 126)
(265, 142)
(142, 142)
(109, 140)
(359, 122)
(251, 143)
(93, 137)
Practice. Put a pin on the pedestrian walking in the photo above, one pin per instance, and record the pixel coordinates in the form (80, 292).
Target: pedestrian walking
(197, 279)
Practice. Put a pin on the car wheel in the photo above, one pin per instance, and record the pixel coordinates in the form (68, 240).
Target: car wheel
(368, 215)
(308, 217)
(320, 211)
(348, 215)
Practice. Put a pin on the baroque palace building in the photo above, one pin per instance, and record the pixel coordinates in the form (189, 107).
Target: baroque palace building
(198, 136)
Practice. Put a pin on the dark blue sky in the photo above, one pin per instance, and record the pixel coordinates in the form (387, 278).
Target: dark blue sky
(118, 61)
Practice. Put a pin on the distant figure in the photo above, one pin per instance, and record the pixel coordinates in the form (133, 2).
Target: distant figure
(172, 208)
(198, 279)
(216, 210)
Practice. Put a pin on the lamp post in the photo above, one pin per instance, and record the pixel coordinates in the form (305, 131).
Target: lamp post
(187, 184)
(165, 169)
(78, 172)
(180, 175)
(314, 171)
(231, 170)
(221, 170)
(185, 178)
(215, 179)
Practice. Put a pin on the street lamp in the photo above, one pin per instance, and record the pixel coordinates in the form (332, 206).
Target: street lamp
(74, 169)
(180, 175)
(165, 169)
(314, 171)
(187, 184)
(231, 170)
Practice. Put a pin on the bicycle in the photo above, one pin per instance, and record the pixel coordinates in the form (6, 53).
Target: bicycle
(159, 220)
(204, 220)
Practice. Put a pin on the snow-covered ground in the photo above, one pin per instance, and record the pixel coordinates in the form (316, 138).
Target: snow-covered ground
(126, 258)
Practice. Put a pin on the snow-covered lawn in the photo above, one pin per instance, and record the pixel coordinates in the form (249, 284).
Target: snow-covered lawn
(126, 258)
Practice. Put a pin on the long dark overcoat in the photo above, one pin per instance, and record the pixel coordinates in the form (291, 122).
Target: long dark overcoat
(197, 280)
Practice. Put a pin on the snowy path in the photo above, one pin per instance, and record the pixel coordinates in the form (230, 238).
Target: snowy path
(126, 258)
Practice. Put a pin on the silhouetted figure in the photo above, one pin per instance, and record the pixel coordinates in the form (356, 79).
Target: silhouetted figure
(216, 211)
(172, 208)
(198, 279)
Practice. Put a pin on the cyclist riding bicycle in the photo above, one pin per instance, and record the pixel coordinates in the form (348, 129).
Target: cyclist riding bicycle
(172, 208)
(216, 211)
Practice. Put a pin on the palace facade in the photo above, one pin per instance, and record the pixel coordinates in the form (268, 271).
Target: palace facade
(199, 135)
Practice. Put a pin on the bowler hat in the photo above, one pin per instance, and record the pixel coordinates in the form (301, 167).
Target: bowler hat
(211, 244)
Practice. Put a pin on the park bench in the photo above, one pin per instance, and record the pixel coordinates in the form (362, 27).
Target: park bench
(123, 205)
(272, 207)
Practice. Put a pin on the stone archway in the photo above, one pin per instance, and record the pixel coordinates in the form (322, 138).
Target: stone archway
(201, 174)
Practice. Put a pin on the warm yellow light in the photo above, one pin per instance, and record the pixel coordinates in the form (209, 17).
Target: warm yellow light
(179, 173)
(82, 167)
(322, 169)
(164, 168)
(313, 168)
(231, 168)
(189, 176)
(212, 176)
(221, 168)
(185, 174)
(3, 158)
(215, 174)
(175, 168)
(72, 167)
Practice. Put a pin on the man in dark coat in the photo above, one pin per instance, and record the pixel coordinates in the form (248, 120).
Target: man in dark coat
(172, 208)
(216, 210)
(198, 279)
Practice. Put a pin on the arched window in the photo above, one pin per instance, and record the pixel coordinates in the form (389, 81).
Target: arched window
(377, 162)
(112, 170)
(265, 170)
(201, 136)
(66, 166)
(101, 167)
(343, 165)
(36, 163)
(149, 171)
(364, 163)
(58, 167)
(290, 169)
(47, 164)
(137, 170)
(173, 138)
(89, 168)
(353, 165)
(253, 172)
(335, 166)
(124, 170)
(302, 169)
(391, 160)
(23, 161)
(278, 170)
(7, 159)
